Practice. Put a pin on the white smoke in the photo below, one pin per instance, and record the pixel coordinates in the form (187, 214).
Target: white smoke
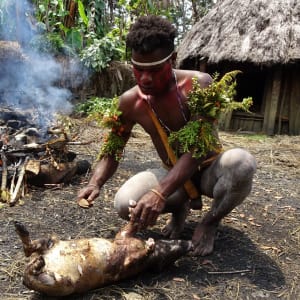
(32, 83)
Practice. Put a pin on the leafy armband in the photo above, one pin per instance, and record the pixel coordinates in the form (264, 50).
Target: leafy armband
(113, 142)
(206, 104)
(113, 145)
(105, 111)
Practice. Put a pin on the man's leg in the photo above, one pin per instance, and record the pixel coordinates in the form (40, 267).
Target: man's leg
(228, 181)
(141, 183)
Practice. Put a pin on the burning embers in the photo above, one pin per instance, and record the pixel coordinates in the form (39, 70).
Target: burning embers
(31, 156)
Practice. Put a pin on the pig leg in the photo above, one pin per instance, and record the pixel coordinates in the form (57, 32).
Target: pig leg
(37, 277)
(29, 246)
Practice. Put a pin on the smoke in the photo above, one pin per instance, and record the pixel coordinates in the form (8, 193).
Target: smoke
(31, 83)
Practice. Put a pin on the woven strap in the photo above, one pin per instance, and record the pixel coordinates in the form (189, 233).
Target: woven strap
(188, 185)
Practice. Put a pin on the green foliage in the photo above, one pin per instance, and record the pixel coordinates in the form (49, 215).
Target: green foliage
(51, 43)
(93, 105)
(143, 7)
(197, 137)
(82, 13)
(51, 13)
(113, 145)
(74, 39)
(206, 106)
(103, 110)
(101, 52)
(211, 101)
(99, 17)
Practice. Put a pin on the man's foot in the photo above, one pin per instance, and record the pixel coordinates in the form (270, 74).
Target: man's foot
(176, 225)
(203, 239)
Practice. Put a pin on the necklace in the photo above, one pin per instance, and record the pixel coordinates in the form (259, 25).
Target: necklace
(179, 100)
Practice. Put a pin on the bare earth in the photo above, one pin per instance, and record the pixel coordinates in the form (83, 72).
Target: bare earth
(257, 250)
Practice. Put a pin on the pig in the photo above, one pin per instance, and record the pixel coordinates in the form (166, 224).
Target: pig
(61, 268)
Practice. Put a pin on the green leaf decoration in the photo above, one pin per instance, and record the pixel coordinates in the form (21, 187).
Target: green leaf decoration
(200, 136)
(106, 113)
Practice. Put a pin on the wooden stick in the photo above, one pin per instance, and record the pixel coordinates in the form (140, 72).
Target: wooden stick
(4, 171)
(13, 198)
(12, 183)
(229, 272)
(4, 193)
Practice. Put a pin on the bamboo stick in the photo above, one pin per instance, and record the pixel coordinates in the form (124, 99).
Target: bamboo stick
(4, 171)
(14, 196)
(4, 193)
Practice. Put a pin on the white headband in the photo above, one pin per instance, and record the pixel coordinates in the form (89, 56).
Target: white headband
(154, 63)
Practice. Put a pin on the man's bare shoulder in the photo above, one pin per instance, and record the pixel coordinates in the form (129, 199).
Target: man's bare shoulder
(131, 103)
(204, 78)
(129, 95)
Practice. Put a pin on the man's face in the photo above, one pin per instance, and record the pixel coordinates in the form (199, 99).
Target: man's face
(152, 76)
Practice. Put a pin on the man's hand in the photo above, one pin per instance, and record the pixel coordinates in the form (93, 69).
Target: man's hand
(87, 195)
(147, 210)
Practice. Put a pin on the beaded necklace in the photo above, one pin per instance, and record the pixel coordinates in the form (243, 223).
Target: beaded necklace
(179, 100)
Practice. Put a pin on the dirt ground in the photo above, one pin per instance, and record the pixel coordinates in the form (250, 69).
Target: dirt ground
(257, 249)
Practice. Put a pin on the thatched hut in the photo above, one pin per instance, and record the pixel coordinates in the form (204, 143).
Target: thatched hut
(262, 39)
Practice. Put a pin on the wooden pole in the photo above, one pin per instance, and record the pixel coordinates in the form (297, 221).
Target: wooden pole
(272, 101)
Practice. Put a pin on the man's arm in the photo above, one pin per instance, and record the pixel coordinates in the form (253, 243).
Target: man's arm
(152, 204)
(108, 163)
(182, 171)
(104, 169)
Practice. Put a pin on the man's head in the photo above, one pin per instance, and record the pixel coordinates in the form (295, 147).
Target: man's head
(151, 39)
(150, 33)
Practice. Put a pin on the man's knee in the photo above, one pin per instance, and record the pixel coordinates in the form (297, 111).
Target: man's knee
(121, 205)
(134, 189)
(240, 163)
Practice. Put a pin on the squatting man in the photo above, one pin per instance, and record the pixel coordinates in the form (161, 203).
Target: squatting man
(227, 178)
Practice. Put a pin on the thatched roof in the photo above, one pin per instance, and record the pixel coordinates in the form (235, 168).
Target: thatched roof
(263, 32)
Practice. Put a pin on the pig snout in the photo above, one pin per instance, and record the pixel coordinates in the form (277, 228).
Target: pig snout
(167, 252)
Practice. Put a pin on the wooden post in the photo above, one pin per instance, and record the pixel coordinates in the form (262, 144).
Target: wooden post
(294, 112)
(272, 100)
(284, 97)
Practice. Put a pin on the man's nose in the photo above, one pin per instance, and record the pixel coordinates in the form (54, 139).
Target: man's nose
(146, 77)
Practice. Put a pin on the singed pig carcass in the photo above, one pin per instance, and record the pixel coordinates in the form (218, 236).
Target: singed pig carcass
(60, 268)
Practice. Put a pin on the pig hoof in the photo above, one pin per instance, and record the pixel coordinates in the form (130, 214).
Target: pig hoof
(150, 244)
(36, 266)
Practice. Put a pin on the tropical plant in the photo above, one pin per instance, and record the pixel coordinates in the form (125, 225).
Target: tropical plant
(85, 25)
(102, 51)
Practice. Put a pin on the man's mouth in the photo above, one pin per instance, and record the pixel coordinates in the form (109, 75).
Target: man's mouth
(146, 90)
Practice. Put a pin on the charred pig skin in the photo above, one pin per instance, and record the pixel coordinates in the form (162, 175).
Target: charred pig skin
(61, 268)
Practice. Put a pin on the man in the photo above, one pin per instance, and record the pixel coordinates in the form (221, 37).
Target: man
(164, 91)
